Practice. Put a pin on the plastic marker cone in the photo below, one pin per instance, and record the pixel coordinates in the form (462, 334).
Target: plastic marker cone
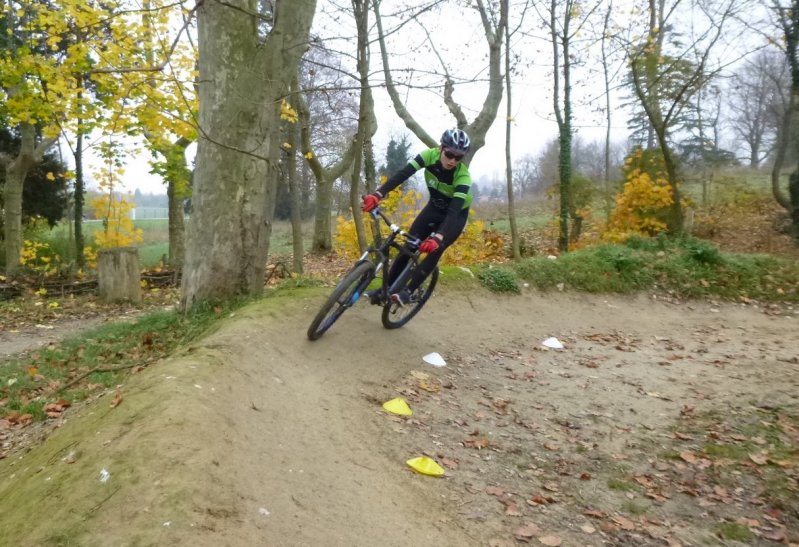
(553, 343)
(425, 466)
(434, 359)
(398, 406)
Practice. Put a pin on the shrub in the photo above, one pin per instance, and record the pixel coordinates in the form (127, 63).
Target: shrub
(702, 251)
(499, 280)
(476, 244)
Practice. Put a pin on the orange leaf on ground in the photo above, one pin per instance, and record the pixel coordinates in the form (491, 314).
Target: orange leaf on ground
(527, 532)
(551, 541)
(495, 491)
(625, 523)
(117, 399)
(596, 513)
(689, 456)
(511, 509)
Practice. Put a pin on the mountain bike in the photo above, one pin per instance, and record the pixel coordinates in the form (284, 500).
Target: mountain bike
(374, 264)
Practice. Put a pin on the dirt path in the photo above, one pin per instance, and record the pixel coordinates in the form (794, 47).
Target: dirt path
(256, 436)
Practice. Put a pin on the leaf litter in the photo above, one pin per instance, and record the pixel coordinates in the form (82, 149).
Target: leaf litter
(601, 443)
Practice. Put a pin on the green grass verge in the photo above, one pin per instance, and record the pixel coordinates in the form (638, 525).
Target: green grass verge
(684, 267)
(100, 357)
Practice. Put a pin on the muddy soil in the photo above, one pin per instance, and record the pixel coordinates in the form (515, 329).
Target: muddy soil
(257, 436)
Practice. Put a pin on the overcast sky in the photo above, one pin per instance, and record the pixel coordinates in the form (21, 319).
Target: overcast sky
(463, 48)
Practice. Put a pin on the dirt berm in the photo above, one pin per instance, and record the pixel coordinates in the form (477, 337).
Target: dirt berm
(256, 436)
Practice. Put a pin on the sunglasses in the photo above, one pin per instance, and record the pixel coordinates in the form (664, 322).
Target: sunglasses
(452, 155)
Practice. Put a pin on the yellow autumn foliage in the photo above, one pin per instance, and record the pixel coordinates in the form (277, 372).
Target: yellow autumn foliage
(641, 208)
(118, 229)
(38, 258)
(475, 245)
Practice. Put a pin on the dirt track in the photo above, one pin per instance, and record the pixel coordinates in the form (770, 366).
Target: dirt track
(256, 436)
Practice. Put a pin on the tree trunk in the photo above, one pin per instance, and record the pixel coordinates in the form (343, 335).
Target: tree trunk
(514, 232)
(295, 193)
(118, 277)
(367, 124)
(80, 187)
(177, 189)
(177, 228)
(323, 230)
(16, 172)
(241, 83)
(563, 117)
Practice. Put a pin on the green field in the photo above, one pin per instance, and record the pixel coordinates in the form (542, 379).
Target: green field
(155, 233)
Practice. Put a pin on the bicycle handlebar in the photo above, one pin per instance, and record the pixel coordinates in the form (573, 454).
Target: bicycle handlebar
(376, 212)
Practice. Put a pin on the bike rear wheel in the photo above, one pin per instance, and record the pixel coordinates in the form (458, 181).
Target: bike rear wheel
(343, 297)
(394, 316)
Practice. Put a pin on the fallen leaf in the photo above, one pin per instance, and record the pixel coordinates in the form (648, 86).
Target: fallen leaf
(527, 532)
(541, 500)
(595, 513)
(476, 443)
(644, 480)
(512, 509)
(759, 459)
(625, 523)
(776, 535)
(495, 491)
(452, 464)
(431, 387)
(587, 528)
(117, 399)
(689, 456)
(551, 541)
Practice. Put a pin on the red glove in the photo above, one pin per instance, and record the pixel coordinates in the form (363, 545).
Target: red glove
(370, 201)
(431, 244)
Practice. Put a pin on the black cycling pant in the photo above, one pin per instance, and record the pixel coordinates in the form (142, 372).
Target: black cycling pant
(427, 222)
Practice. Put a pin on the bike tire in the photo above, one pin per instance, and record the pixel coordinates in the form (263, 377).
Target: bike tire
(343, 297)
(395, 316)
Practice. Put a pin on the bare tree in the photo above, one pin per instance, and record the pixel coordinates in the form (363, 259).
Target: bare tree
(788, 20)
(563, 25)
(755, 100)
(664, 83)
(493, 17)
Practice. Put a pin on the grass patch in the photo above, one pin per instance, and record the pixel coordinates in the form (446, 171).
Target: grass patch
(632, 508)
(726, 451)
(622, 485)
(685, 267)
(499, 280)
(734, 532)
(101, 357)
(456, 277)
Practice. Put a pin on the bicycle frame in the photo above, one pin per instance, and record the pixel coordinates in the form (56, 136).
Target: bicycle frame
(375, 260)
(382, 252)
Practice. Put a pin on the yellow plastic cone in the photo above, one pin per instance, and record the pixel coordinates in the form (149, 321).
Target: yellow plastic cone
(398, 406)
(426, 466)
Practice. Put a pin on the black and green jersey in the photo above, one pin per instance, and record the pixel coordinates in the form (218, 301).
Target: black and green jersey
(449, 189)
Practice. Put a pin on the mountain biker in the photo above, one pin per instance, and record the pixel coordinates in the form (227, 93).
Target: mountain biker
(444, 217)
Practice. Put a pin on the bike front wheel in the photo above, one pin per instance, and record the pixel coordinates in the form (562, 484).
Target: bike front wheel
(394, 316)
(343, 297)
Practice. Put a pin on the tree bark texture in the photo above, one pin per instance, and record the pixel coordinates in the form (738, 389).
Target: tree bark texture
(241, 83)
